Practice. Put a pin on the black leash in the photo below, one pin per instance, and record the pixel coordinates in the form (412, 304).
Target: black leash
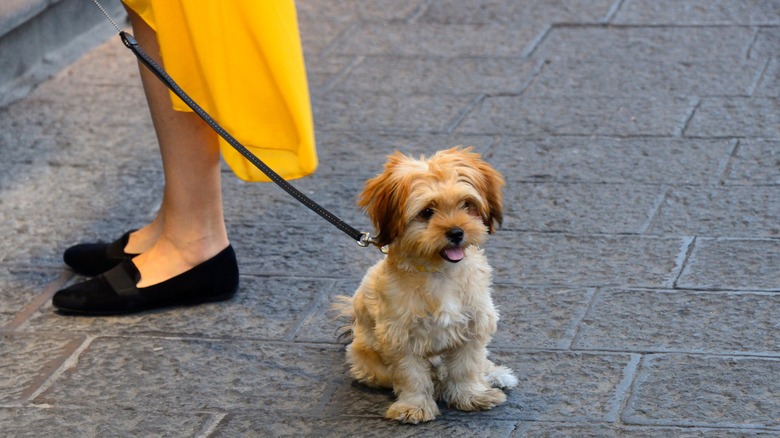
(363, 239)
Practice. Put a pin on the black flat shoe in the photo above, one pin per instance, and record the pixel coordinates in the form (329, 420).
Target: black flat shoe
(115, 292)
(91, 259)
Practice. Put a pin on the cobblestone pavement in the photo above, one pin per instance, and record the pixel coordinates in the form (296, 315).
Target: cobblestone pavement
(636, 274)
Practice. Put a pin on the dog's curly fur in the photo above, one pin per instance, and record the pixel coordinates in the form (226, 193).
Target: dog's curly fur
(422, 317)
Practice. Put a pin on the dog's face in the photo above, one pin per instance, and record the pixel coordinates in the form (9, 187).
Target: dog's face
(434, 208)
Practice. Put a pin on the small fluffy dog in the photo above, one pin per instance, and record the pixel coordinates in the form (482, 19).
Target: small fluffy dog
(423, 316)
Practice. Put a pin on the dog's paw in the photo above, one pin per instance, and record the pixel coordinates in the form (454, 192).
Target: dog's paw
(412, 413)
(501, 377)
(478, 400)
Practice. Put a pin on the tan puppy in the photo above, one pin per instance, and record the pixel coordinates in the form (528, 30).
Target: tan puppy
(423, 316)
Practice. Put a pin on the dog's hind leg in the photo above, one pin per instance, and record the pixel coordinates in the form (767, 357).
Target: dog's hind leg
(366, 365)
(499, 376)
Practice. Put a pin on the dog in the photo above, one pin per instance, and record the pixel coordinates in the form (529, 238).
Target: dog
(422, 316)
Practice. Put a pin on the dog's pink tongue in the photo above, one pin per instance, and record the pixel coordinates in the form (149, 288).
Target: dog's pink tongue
(454, 254)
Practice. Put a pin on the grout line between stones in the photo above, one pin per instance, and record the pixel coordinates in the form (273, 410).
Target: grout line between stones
(573, 332)
(689, 118)
(38, 301)
(652, 214)
(759, 78)
(67, 360)
(682, 259)
(623, 389)
(210, 425)
(613, 11)
(725, 167)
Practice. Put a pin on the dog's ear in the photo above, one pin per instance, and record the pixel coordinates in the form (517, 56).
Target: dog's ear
(487, 181)
(383, 199)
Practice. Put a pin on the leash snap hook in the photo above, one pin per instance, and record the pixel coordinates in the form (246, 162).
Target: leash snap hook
(365, 240)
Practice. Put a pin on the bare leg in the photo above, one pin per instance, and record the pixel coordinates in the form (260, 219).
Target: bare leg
(189, 228)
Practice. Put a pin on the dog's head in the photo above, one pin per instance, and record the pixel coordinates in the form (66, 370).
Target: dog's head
(436, 207)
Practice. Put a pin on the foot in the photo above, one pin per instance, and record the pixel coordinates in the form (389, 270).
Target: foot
(473, 397)
(168, 258)
(413, 413)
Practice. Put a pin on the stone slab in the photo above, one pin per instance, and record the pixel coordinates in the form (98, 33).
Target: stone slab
(105, 422)
(299, 250)
(719, 391)
(363, 154)
(581, 208)
(192, 376)
(755, 162)
(626, 74)
(370, 111)
(531, 115)
(461, 75)
(580, 387)
(767, 43)
(512, 13)
(681, 321)
(770, 82)
(736, 117)
(433, 39)
(699, 12)
(243, 425)
(729, 212)
(263, 308)
(318, 36)
(18, 287)
(28, 360)
(584, 430)
(612, 160)
(359, 10)
(582, 261)
(537, 318)
(732, 264)
(702, 44)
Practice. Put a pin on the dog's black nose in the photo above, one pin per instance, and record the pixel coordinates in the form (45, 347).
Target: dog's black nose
(455, 235)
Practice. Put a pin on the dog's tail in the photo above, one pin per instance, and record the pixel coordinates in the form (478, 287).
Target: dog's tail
(344, 312)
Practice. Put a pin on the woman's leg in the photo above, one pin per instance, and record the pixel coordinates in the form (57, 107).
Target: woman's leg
(189, 228)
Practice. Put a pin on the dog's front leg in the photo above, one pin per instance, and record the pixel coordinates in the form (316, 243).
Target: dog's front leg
(465, 387)
(413, 386)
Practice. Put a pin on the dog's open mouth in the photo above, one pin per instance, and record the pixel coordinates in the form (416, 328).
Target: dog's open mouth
(452, 254)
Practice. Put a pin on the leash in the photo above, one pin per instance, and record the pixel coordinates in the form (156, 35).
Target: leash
(363, 239)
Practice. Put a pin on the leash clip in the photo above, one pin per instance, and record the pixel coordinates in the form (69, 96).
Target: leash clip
(365, 240)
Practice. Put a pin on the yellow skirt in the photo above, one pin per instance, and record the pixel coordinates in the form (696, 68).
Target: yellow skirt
(241, 60)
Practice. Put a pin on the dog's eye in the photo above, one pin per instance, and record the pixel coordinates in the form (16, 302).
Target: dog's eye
(427, 213)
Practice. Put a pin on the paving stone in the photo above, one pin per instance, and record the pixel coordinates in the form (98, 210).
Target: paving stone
(732, 264)
(194, 376)
(679, 321)
(612, 160)
(27, 360)
(363, 154)
(703, 44)
(537, 317)
(767, 43)
(461, 75)
(717, 391)
(242, 425)
(36, 422)
(432, 39)
(729, 212)
(299, 250)
(699, 12)
(263, 308)
(579, 387)
(581, 208)
(357, 10)
(770, 82)
(626, 74)
(755, 162)
(531, 115)
(736, 117)
(18, 287)
(540, 429)
(317, 35)
(389, 112)
(561, 259)
(508, 12)
(321, 73)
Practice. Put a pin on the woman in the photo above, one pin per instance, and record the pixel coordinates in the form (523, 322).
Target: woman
(242, 62)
